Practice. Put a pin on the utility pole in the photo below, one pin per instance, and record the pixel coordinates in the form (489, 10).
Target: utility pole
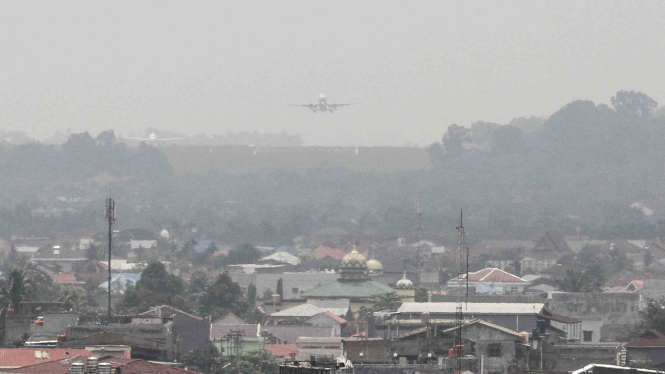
(110, 217)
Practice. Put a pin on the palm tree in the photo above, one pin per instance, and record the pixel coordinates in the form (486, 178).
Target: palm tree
(13, 290)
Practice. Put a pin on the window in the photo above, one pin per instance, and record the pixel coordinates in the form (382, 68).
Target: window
(494, 349)
(588, 336)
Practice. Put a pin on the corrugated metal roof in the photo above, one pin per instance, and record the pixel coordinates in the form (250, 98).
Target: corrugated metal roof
(488, 324)
(472, 308)
(349, 289)
(18, 357)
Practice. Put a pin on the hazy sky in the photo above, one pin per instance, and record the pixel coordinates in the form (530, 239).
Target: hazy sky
(414, 67)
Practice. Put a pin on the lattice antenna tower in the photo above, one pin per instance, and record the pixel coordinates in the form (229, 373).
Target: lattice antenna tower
(110, 217)
(462, 274)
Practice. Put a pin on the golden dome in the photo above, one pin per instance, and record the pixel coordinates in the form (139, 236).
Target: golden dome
(374, 265)
(354, 259)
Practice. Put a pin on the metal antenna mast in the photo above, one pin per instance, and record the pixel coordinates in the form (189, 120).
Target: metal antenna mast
(110, 217)
(419, 229)
(462, 274)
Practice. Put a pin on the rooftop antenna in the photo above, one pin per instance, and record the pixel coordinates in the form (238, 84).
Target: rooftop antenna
(419, 229)
(110, 217)
(462, 273)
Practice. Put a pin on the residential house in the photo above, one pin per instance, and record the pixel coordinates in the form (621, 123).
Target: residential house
(361, 350)
(603, 315)
(67, 280)
(318, 348)
(647, 349)
(493, 279)
(13, 358)
(301, 313)
(282, 257)
(503, 350)
(548, 250)
(150, 337)
(290, 334)
(119, 281)
(294, 284)
(513, 316)
(323, 251)
(230, 327)
(328, 319)
(191, 331)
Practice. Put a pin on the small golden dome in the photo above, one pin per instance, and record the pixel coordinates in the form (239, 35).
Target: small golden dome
(374, 265)
(354, 259)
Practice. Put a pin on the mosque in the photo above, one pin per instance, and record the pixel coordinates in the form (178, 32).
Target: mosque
(356, 283)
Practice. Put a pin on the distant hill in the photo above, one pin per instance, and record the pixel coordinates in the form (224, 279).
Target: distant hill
(197, 159)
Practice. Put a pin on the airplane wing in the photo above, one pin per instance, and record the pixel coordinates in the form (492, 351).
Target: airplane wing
(336, 105)
(305, 105)
(139, 139)
(166, 139)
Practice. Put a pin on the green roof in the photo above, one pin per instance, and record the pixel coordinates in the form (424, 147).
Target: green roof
(349, 289)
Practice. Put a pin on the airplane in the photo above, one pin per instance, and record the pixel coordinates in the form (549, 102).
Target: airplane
(322, 105)
(153, 138)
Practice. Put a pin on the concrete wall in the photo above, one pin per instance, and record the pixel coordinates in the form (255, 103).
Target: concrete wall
(54, 324)
(373, 350)
(445, 366)
(16, 327)
(572, 357)
(295, 284)
(655, 355)
(322, 320)
(306, 347)
(616, 311)
(477, 298)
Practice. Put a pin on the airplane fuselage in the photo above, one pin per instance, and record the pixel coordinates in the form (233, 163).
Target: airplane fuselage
(322, 106)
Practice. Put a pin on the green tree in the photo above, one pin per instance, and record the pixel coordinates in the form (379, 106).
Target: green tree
(386, 301)
(244, 254)
(251, 295)
(203, 359)
(619, 261)
(222, 296)
(422, 295)
(454, 139)
(508, 139)
(255, 362)
(648, 259)
(579, 281)
(280, 288)
(652, 316)
(14, 289)
(633, 103)
(155, 287)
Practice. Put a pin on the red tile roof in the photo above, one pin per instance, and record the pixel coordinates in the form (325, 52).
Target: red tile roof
(67, 278)
(336, 318)
(651, 338)
(17, 357)
(281, 350)
(128, 366)
(322, 252)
